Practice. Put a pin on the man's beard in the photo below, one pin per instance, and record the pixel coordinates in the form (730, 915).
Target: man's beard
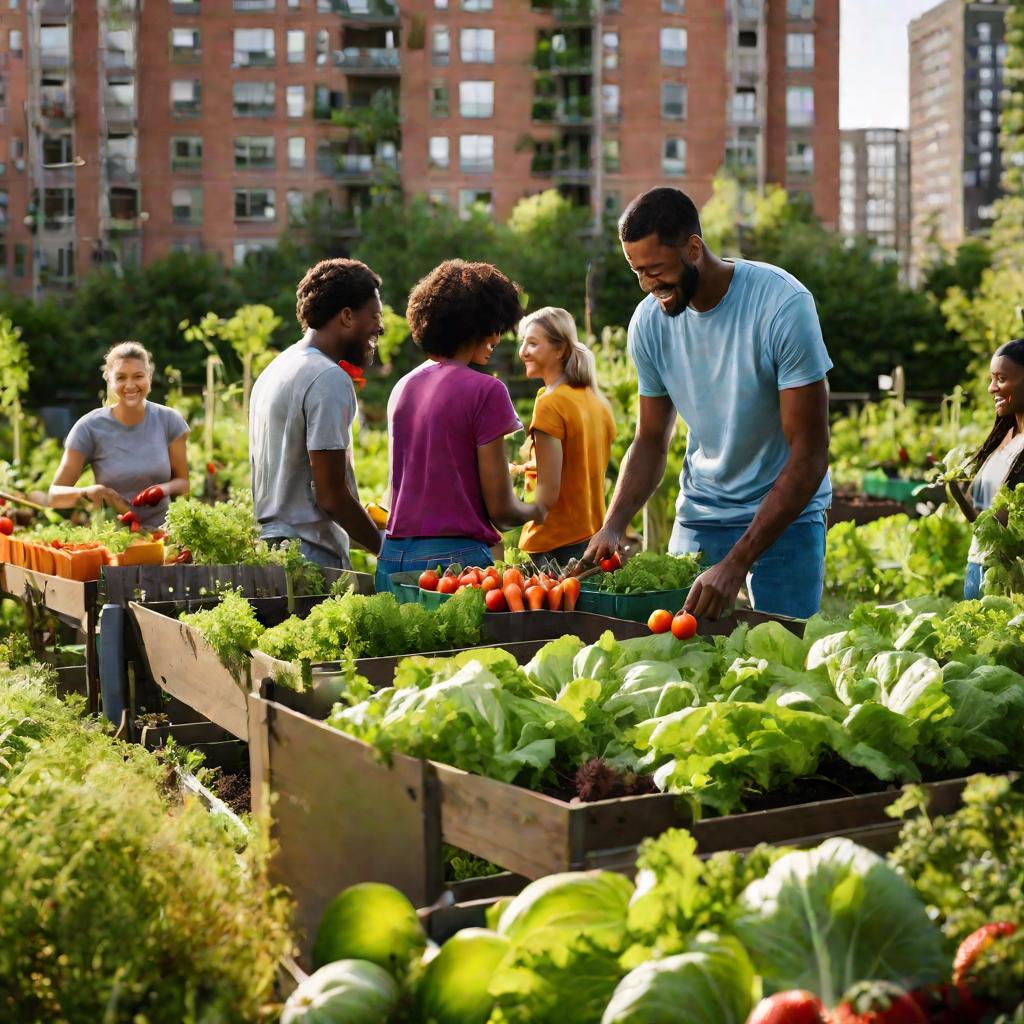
(685, 289)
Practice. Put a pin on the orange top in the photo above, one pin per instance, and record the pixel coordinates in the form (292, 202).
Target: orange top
(583, 422)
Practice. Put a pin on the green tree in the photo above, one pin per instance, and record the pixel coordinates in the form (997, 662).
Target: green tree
(961, 269)
(14, 373)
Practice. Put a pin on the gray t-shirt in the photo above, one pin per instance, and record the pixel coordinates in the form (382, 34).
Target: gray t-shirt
(302, 402)
(130, 459)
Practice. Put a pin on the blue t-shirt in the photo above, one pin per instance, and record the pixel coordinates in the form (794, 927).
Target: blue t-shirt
(723, 370)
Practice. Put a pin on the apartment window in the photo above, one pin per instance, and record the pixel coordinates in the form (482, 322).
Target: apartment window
(744, 106)
(185, 45)
(121, 153)
(185, 98)
(241, 251)
(610, 50)
(800, 10)
(296, 45)
(440, 5)
(123, 203)
(799, 51)
(799, 157)
(254, 204)
(673, 157)
(54, 44)
(673, 101)
(477, 6)
(295, 100)
(799, 106)
(673, 47)
(610, 101)
(20, 253)
(254, 6)
(476, 154)
(293, 5)
(476, 99)
(14, 44)
(476, 45)
(985, 31)
(439, 152)
(254, 152)
(296, 203)
(296, 153)
(673, 6)
(187, 205)
(253, 99)
(612, 155)
(56, 149)
(439, 99)
(186, 153)
(440, 47)
(121, 48)
(254, 47)
(58, 206)
(472, 198)
(184, 6)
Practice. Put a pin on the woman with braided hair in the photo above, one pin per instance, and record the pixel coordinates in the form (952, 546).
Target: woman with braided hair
(1000, 460)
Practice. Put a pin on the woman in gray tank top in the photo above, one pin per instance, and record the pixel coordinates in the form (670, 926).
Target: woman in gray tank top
(136, 448)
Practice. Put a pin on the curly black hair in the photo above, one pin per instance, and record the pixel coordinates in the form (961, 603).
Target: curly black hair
(665, 212)
(458, 303)
(331, 286)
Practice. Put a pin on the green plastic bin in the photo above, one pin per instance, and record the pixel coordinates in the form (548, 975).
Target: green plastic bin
(635, 607)
(406, 588)
(878, 485)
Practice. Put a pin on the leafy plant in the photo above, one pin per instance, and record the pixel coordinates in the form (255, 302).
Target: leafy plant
(648, 571)
(230, 627)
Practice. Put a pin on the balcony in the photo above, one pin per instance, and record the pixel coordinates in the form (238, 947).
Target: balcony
(572, 61)
(750, 10)
(368, 60)
(574, 111)
(566, 11)
(56, 108)
(54, 60)
(120, 168)
(354, 168)
(365, 12)
(748, 65)
(54, 9)
(572, 167)
(119, 114)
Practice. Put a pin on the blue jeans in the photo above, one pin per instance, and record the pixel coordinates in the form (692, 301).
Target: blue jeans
(972, 581)
(786, 580)
(411, 554)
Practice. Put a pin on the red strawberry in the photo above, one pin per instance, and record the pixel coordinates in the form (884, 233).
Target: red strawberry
(970, 949)
(878, 1002)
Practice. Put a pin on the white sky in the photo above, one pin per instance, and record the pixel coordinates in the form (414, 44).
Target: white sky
(873, 61)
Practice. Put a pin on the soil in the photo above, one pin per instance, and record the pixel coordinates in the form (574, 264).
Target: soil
(234, 789)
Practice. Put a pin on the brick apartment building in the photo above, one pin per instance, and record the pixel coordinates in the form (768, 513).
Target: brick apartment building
(957, 53)
(131, 129)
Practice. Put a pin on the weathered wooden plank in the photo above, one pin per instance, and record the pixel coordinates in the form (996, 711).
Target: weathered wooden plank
(72, 600)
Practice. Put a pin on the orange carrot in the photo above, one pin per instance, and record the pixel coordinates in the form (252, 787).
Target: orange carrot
(571, 589)
(555, 598)
(514, 597)
(536, 597)
(490, 583)
(513, 576)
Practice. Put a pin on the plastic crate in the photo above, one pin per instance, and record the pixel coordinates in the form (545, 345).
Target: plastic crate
(406, 588)
(635, 607)
(878, 485)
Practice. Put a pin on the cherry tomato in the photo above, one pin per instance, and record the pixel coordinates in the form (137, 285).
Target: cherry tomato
(6, 525)
(428, 580)
(684, 625)
(447, 585)
(611, 564)
(495, 601)
(660, 621)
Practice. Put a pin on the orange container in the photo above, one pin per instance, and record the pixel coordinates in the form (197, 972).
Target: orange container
(145, 552)
(5, 547)
(17, 551)
(42, 559)
(80, 562)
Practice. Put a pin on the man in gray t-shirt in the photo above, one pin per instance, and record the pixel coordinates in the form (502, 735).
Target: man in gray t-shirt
(301, 413)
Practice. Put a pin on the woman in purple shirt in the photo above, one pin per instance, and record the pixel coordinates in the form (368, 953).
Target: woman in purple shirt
(450, 487)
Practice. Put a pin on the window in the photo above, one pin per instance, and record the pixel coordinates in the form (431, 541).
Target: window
(476, 6)
(476, 45)
(4, 213)
(440, 47)
(799, 51)
(121, 48)
(471, 198)
(123, 203)
(14, 44)
(241, 251)
(185, 6)
(673, 157)
(58, 206)
(295, 100)
(438, 153)
(185, 47)
(673, 101)
(673, 47)
(296, 202)
(296, 153)
(187, 206)
(296, 45)
(673, 6)
(799, 106)
(253, 99)
(439, 99)
(800, 10)
(254, 6)
(610, 101)
(254, 204)
(121, 154)
(476, 99)
(254, 47)
(185, 99)
(293, 5)
(186, 153)
(56, 149)
(440, 5)
(54, 44)
(799, 157)
(611, 152)
(744, 106)
(476, 154)
(610, 50)
(254, 152)
(20, 253)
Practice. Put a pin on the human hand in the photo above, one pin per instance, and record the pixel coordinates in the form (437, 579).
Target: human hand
(150, 496)
(98, 495)
(714, 591)
(606, 543)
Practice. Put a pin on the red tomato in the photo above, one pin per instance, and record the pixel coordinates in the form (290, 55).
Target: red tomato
(660, 621)
(6, 525)
(611, 564)
(789, 1008)
(684, 625)
(428, 580)
(495, 601)
(447, 585)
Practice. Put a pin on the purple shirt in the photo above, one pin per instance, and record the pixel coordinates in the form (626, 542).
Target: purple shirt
(438, 415)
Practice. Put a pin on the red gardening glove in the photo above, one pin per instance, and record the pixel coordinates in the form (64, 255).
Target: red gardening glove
(150, 496)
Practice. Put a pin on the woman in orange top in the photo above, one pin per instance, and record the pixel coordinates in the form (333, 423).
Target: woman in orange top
(571, 436)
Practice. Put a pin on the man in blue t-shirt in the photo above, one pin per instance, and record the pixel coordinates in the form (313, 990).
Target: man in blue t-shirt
(734, 348)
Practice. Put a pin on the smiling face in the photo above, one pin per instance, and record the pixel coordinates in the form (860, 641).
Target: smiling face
(129, 382)
(668, 272)
(484, 348)
(1006, 386)
(539, 355)
(359, 330)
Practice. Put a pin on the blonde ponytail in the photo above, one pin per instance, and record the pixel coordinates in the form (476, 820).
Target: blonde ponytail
(579, 364)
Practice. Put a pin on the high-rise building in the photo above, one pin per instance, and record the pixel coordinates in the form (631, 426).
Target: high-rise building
(874, 191)
(957, 53)
(132, 129)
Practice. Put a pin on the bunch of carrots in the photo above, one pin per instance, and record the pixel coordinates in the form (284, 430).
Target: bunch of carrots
(508, 591)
